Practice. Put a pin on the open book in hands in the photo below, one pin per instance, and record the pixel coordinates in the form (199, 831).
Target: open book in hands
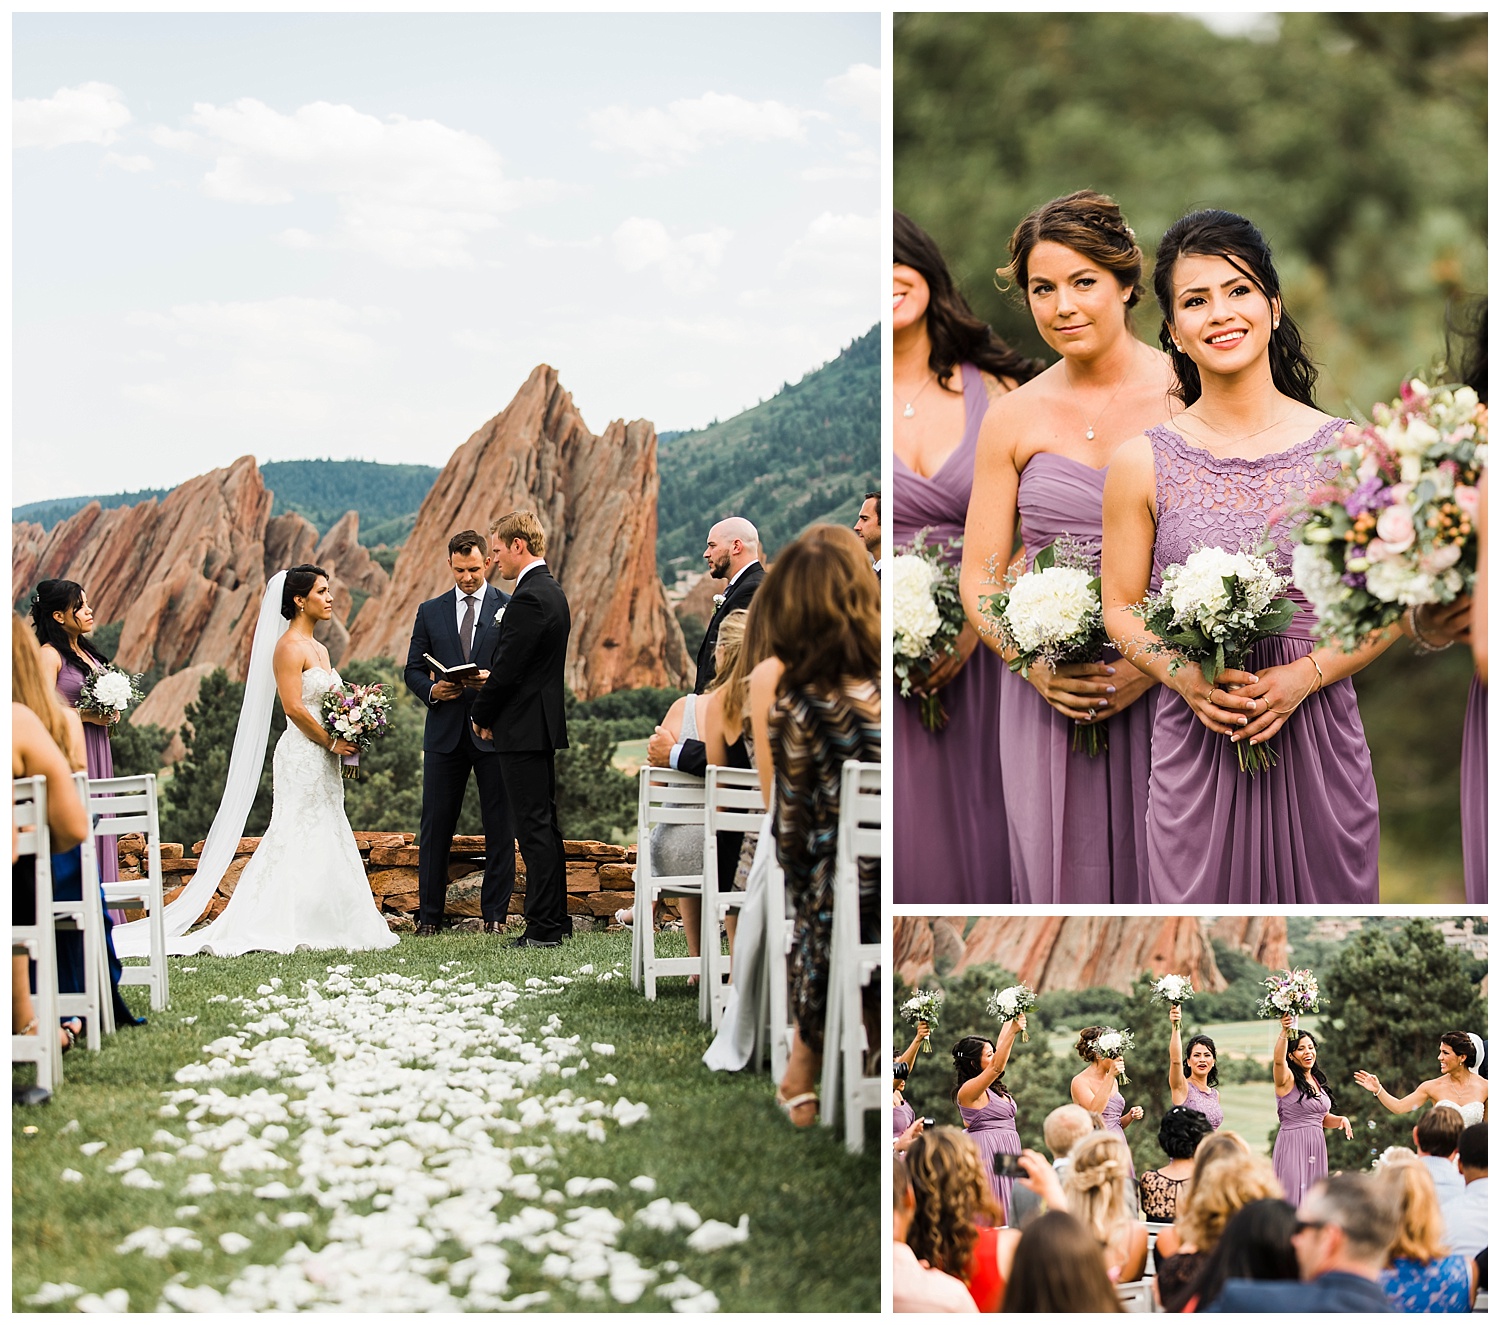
(463, 672)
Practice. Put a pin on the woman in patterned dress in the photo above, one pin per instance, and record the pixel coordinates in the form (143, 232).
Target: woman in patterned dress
(820, 608)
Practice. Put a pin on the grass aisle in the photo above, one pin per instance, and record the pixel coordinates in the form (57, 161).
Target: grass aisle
(422, 1129)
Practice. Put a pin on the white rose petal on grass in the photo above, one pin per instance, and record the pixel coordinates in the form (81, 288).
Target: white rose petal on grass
(116, 1300)
(704, 1303)
(92, 1148)
(712, 1235)
(48, 1295)
(643, 1183)
(126, 1161)
(141, 1179)
(70, 1126)
(665, 1216)
(273, 1191)
(70, 1175)
(603, 1050)
(234, 1243)
(293, 1218)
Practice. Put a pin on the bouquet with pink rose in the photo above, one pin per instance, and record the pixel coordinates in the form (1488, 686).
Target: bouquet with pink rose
(1394, 529)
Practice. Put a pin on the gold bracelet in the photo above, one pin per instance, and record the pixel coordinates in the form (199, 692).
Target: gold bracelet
(1321, 680)
(1311, 686)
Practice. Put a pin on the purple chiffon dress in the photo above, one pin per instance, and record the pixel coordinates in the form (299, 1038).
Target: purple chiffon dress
(992, 1127)
(99, 762)
(1474, 789)
(1308, 829)
(1077, 822)
(1300, 1155)
(1113, 1111)
(948, 841)
(902, 1117)
(1205, 1102)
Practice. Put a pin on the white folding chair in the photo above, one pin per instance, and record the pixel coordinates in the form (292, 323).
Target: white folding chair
(852, 964)
(118, 806)
(732, 803)
(85, 915)
(1136, 1296)
(666, 797)
(32, 838)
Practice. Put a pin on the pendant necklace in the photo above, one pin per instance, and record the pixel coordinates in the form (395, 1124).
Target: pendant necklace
(1088, 430)
(910, 409)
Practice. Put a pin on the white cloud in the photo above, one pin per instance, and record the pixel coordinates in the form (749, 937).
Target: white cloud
(668, 137)
(833, 258)
(860, 87)
(688, 265)
(88, 113)
(133, 164)
(414, 193)
(284, 328)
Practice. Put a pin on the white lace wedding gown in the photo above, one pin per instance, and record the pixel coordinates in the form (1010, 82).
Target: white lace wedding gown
(305, 886)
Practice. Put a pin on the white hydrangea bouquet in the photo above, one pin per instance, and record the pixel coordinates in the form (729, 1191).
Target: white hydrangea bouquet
(924, 1005)
(1210, 610)
(359, 714)
(1173, 989)
(1052, 614)
(1008, 1004)
(1394, 529)
(927, 614)
(1110, 1043)
(110, 690)
(1291, 991)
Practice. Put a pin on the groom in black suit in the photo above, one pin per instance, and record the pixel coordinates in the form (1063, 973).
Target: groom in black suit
(453, 628)
(521, 710)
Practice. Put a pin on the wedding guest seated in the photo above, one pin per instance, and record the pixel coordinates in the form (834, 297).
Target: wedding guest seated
(1062, 1130)
(1436, 1139)
(1098, 1186)
(1345, 1225)
(1466, 1217)
(1059, 1267)
(956, 1224)
(1255, 1244)
(914, 1286)
(1181, 1131)
(1420, 1274)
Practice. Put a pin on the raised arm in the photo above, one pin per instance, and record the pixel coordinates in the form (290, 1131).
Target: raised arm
(1370, 1082)
(971, 1094)
(915, 1047)
(1281, 1074)
(1176, 1078)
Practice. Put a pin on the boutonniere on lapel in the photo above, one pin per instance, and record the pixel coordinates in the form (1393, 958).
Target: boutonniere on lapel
(719, 600)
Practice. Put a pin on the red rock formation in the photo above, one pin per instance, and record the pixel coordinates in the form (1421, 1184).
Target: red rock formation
(596, 499)
(1263, 938)
(1059, 952)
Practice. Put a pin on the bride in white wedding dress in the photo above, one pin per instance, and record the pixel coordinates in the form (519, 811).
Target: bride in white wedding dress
(1460, 1056)
(305, 886)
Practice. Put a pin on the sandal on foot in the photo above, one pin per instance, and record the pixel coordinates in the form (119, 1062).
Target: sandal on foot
(790, 1106)
(70, 1035)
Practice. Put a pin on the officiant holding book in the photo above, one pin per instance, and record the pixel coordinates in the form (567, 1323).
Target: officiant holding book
(441, 672)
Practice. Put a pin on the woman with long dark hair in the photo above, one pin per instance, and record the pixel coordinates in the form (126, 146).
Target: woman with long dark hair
(1458, 1081)
(949, 367)
(1059, 1267)
(1075, 822)
(1248, 445)
(1255, 1244)
(1197, 1087)
(1304, 1108)
(987, 1108)
(63, 621)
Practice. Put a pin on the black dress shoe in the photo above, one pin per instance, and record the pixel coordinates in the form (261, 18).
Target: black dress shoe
(524, 942)
(427, 931)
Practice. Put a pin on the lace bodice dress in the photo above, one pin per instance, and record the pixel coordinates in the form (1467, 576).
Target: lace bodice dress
(305, 886)
(1307, 830)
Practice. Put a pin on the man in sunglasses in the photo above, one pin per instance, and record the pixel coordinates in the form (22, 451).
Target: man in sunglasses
(1344, 1227)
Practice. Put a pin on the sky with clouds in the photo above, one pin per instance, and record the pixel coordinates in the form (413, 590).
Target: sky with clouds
(354, 236)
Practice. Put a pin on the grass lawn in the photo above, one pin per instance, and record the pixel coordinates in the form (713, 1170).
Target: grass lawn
(630, 755)
(421, 1118)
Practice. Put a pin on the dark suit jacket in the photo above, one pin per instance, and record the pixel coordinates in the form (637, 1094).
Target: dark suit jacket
(1326, 1293)
(523, 699)
(738, 597)
(436, 632)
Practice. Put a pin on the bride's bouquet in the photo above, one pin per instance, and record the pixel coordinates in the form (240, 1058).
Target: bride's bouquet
(110, 690)
(1291, 991)
(928, 615)
(1210, 610)
(1008, 1004)
(358, 714)
(1110, 1043)
(1052, 614)
(1395, 527)
(923, 1006)
(1172, 989)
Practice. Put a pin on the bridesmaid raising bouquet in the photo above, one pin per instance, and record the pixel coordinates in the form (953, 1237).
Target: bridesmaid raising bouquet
(1249, 443)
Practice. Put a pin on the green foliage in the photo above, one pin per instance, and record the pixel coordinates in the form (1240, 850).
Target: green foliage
(1390, 997)
(1358, 145)
(629, 715)
(1239, 1001)
(324, 490)
(49, 513)
(694, 628)
(137, 749)
(808, 454)
(1060, 1008)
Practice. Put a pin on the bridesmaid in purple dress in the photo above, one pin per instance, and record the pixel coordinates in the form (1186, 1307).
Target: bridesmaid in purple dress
(948, 367)
(1246, 446)
(1197, 1087)
(988, 1111)
(1076, 823)
(1096, 1088)
(1304, 1109)
(903, 1115)
(62, 619)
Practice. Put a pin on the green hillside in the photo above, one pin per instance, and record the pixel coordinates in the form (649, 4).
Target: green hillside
(807, 454)
(386, 496)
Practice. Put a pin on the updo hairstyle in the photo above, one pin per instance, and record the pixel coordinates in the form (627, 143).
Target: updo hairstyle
(1086, 222)
(298, 584)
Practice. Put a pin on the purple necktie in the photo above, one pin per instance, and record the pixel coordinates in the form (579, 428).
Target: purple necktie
(466, 631)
